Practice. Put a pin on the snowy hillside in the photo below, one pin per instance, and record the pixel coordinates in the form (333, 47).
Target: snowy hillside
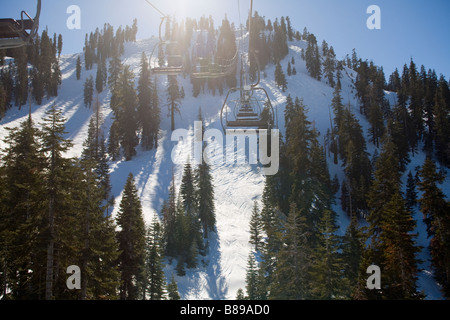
(236, 187)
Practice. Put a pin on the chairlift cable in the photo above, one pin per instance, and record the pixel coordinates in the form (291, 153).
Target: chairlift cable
(154, 7)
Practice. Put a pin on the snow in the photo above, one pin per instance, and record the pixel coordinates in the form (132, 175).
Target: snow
(223, 270)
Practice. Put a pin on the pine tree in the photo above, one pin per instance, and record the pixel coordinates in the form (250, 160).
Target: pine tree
(312, 57)
(411, 194)
(251, 278)
(60, 45)
(78, 68)
(203, 182)
(240, 294)
(21, 77)
(256, 228)
(154, 274)
(386, 183)
(352, 252)
(441, 121)
(172, 290)
(169, 213)
(329, 66)
(131, 238)
(99, 272)
(435, 208)
(20, 214)
(173, 99)
(392, 246)
(115, 69)
(88, 92)
(187, 191)
(124, 106)
(54, 146)
(291, 279)
(280, 78)
(144, 98)
(399, 251)
(99, 79)
(326, 270)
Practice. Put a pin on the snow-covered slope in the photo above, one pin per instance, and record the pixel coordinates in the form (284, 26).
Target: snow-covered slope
(222, 272)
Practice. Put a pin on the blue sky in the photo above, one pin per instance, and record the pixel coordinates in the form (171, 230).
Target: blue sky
(415, 29)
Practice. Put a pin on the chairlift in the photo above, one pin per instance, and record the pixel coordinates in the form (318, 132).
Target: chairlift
(252, 108)
(174, 61)
(18, 33)
(215, 70)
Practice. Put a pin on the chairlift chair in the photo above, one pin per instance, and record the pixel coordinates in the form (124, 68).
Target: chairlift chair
(215, 70)
(17, 33)
(174, 62)
(249, 110)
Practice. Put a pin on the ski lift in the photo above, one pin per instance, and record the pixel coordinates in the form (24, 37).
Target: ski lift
(173, 61)
(214, 70)
(249, 110)
(253, 108)
(17, 33)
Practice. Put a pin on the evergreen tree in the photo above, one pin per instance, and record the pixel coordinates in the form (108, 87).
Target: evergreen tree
(203, 182)
(169, 213)
(240, 294)
(173, 99)
(411, 194)
(78, 68)
(251, 278)
(57, 180)
(399, 251)
(392, 246)
(154, 274)
(256, 228)
(124, 106)
(172, 290)
(442, 121)
(147, 107)
(187, 191)
(99, 273)
(99, 79)
(291, 279)
(20, 214)
(329, 66)
(131, 239)
(115, 69)
(21, 77)
(352, 252)
(88, 92)
(280, 78)
(435, 208)
(60, 45)
(327, 266)
(312, 57)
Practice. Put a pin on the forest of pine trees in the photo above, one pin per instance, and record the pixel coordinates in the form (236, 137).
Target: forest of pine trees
(56, 211)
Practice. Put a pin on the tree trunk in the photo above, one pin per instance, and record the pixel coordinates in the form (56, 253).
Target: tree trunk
(50, 251)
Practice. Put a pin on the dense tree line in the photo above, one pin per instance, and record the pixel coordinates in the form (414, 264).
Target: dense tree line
(33, 71)
(418, 115)
(55, 213)
(189, 217)
(296, 252)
